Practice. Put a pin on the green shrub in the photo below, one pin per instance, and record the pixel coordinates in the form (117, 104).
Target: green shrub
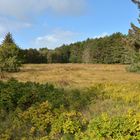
(41, 111)
(112, 128)
(134, 67)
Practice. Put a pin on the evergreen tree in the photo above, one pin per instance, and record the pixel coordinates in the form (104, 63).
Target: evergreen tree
(134, 34)
(9, 55)
(8, 39)
(137, 2)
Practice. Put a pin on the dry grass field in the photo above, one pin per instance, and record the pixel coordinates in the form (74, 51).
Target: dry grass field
(77, 75)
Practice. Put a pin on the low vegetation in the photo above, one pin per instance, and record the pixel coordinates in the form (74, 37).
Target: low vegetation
(74, 75)
(43, 112)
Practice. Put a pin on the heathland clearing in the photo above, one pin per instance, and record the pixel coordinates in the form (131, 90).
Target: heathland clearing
(77, 75)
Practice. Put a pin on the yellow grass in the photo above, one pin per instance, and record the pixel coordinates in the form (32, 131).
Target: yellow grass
(78, 75)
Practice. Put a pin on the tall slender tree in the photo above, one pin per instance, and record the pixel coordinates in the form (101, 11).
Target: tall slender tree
(134, 34)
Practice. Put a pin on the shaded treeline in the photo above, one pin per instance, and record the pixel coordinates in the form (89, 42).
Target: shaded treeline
(116, 48)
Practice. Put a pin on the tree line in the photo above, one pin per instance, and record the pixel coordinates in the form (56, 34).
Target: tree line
(108, 50)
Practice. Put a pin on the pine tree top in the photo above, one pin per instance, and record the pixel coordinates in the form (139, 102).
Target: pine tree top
(137, 2)
(8, 39)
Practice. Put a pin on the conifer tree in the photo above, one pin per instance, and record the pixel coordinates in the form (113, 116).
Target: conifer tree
(9, 55)
(134, 34)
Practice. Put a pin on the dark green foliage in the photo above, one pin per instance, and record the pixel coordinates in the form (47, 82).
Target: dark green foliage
(8, 39)
(33, 56)
(78, 100)
(14, 95)
(134, 34)
(135, 66)
(76, 51)
(109, 50)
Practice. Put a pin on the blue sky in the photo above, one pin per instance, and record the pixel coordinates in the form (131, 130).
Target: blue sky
(51, 23)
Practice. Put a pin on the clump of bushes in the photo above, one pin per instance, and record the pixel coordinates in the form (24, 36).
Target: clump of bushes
(134, 68)
(33, 110)
(43, 112)
(135, 65)
(106, 127)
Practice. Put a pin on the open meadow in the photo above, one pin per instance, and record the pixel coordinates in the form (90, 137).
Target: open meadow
(75, 75)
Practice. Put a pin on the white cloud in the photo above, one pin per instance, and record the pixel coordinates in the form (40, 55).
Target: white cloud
(70, 7)
(10, 25)
(56, 39)
(17, 14)
(23, 8)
